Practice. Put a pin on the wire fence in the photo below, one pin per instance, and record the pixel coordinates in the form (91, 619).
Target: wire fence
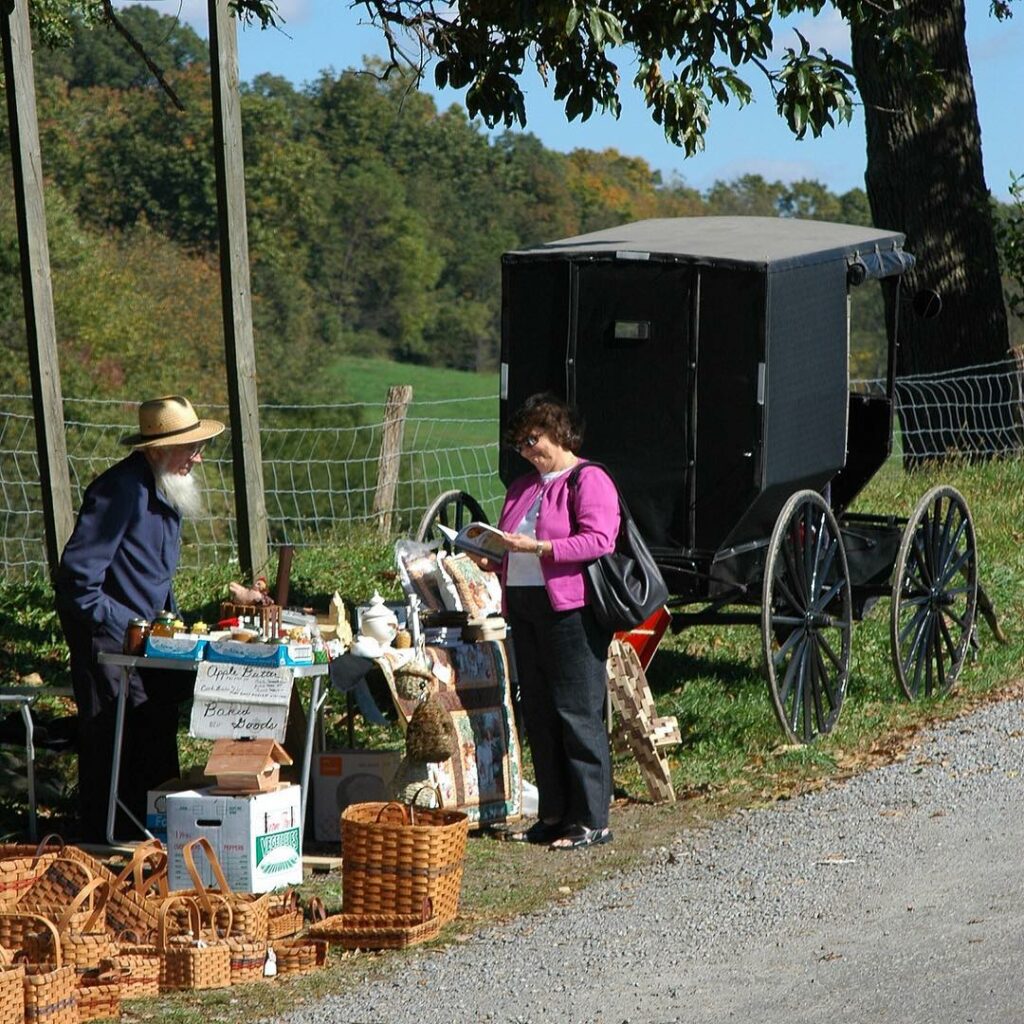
(320, 462)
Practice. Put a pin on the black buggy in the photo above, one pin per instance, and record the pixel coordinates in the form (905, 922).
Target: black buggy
(710, 359)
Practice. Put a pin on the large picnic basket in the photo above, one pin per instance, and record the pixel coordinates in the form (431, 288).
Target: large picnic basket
(394, 857)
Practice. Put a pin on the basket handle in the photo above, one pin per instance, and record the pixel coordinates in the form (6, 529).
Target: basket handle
(150, 850)
(57, 840)
(204, 844)
(317, 910)
(85, 893)
(195, 919)
(58, 960)
(436, 790)
(402, 808)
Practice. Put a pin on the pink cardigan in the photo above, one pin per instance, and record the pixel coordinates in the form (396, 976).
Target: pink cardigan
(596, 512)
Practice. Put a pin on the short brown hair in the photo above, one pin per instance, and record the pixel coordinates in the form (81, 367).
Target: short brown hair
(544, 413)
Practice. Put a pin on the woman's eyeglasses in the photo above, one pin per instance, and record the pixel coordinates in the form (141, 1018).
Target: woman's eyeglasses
(527, 442)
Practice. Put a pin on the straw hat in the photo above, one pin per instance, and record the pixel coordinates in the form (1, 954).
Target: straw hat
(170, 420)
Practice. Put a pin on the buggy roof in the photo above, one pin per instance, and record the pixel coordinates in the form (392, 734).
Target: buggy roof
(751, 241)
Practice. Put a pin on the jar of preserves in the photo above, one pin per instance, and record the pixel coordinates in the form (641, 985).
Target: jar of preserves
(163, 624)
(135, 637)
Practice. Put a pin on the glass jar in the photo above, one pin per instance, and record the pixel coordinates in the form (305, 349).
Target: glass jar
(135, 637)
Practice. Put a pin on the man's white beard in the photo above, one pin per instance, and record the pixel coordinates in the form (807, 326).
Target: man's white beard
(181, 492)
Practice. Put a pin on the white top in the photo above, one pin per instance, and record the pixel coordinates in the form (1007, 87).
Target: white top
(524, 566)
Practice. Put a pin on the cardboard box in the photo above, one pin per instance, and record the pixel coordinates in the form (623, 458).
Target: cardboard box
(182, 648)
(238, 653)
(156, 802)
(247, 766)
(343, 777)
(257, 838)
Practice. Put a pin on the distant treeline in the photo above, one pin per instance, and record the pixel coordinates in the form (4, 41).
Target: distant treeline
(376, 221)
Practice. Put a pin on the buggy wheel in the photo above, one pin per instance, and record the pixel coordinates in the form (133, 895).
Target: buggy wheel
(806, 602)
(934, 594)
(455, 509)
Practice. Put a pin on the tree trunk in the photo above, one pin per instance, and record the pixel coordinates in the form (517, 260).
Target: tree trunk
(925, 178)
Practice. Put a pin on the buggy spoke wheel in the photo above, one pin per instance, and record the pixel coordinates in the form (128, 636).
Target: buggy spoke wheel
(806, 618)
(454, 509)
(934, 594)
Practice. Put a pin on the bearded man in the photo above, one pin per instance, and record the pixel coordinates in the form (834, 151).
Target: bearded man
(118, 565)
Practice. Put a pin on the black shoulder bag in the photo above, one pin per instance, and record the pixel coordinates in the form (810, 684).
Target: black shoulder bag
(626, 586)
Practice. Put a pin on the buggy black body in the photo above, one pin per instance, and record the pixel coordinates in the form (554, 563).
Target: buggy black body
(709, 357)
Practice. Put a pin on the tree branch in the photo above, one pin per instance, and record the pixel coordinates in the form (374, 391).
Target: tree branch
(154, 70)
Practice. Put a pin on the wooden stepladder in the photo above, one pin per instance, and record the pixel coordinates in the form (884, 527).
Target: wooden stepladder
(637, 728)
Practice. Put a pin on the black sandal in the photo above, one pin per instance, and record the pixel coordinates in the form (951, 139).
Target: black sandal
(579, 837)
(539, 833)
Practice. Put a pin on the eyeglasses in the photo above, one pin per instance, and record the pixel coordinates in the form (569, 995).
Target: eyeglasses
(527, 442)
(193, 451)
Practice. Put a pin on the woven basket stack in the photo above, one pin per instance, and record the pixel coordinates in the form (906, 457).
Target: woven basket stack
(76, 938)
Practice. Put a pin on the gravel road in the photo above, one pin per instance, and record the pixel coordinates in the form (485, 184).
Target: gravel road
(892, 897)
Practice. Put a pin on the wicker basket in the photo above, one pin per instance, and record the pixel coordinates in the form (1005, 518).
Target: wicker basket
(395, 857)
(299, 956)
(85, 948)
(61, 886)
(242, 915)
(247, 961)
(140, 968)
(12, 993)
(131, 906)
(20, 868)
(99, 993)
(51, 989)
(284, 915)
(376, 931)
(185, 963)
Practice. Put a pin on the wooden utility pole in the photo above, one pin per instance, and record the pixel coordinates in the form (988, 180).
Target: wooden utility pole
(40, 327)
(236, 296)
(390, 455)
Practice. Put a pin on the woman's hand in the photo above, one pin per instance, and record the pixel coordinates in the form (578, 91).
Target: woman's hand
(527, 545)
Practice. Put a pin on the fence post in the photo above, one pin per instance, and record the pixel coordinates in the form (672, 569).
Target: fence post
(390, 455)
(33, 251)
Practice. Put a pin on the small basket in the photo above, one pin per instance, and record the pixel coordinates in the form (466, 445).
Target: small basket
(185, 964)
(284, 915)
(398, 856)
(51, 989)
(241, 915)
(12, 993)
(85, 949)
(247, 961)
(300, 956)
(140, 968)
(130, 907)
(99, 993)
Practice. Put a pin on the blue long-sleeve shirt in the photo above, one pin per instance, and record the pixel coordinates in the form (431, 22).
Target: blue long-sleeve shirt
(123, 552)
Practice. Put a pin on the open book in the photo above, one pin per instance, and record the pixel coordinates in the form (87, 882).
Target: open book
(478, 539)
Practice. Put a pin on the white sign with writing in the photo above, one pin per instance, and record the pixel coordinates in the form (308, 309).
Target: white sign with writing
(233, 701)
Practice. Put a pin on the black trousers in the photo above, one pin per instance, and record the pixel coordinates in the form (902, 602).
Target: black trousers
(560, 662)
(149, 753)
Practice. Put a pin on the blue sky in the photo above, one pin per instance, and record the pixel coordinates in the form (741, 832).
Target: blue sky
(320, 34)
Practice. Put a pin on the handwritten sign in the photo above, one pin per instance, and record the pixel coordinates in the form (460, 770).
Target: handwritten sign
(233, 701)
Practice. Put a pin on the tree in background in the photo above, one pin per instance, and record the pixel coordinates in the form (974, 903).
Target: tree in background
(910, 65)
(925, 177)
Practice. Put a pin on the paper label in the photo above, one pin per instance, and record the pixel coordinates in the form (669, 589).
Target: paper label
(234, 701)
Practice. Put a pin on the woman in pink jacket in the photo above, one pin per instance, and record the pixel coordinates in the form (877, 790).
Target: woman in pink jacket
(553, 528)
